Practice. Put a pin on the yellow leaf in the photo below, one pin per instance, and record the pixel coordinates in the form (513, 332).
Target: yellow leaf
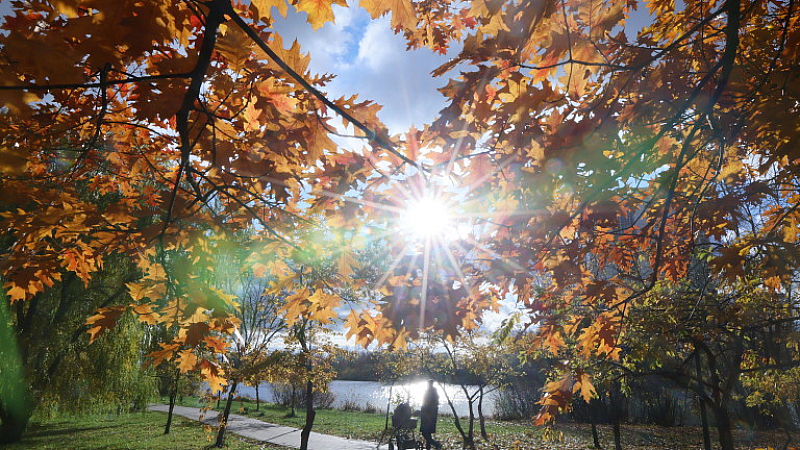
(264, 7)
(584, 385)
(16, 293)
(69, 8)
(212, 373)
(235, 46)
(215, 383)
(403, 13)
(187, 361)
(324, 315)
(164, 354)
(295, 307)
(319, 11)
(346, 264)
(137, 291)
(146, 314)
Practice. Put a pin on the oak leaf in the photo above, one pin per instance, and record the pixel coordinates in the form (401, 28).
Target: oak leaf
(319, 11)
(404, 15)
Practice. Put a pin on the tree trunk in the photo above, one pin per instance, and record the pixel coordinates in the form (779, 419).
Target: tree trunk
(310, 415)
(595, 436)
(721, 391)
(224, 422)
(456, 420)
(16, 404)
(258, 402)
(388, 405)
(471, 428)
(12, 425)
(481, 419)
(172, 396)
(294, 401)
(593, 405)
(617, 436)
(703, 413)
(617, 414)
(724, 427)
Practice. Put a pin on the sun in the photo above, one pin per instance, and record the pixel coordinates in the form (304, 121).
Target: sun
(427, 217)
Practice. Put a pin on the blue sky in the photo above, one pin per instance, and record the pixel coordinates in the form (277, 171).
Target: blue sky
(368, 59)
(371, 61)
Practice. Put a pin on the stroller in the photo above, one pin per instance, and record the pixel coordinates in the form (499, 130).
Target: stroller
(403, 430)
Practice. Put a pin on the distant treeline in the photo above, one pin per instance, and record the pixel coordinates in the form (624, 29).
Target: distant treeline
(372, 366)
(645, 400)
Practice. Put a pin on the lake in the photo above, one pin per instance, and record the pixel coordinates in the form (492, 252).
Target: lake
(376, 394)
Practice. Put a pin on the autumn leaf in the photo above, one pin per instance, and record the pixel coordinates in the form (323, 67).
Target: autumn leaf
(186, 361)
(13, 161)
(264, 7)
(319, 11)
(215, 343)
(213, 375)
(165, 354)
(346, 263)
(146, 314)
(234, 45)
(404, 16)
(585, 387)
(16, 293)
(194, 333)
(103, 320)
(138, 290)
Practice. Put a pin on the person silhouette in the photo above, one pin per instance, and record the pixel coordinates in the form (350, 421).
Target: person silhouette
(401, 415)
(428, 416)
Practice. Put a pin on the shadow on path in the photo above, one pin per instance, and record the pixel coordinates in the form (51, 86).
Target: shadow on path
(268, 432)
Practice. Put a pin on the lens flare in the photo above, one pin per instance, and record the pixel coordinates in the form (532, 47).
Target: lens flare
(427, 217)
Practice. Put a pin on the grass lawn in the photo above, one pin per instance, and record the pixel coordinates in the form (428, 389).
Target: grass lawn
(350, 424)
(504, 435)
(369, 426)
(136, 431)
(361, 425)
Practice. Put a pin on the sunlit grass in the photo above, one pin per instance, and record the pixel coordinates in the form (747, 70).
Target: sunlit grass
(505, 435)
(136, 431)
(357, 424)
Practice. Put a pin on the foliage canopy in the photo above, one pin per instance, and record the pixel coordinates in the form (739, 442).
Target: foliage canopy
(598, 158)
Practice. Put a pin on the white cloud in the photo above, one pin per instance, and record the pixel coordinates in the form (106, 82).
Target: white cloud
(329, 46)
(398, 79)
(371, 61)
(379, 46)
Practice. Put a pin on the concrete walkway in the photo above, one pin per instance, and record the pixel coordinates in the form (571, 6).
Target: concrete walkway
(267, 432)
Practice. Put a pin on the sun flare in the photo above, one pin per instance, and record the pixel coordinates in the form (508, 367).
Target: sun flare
(427, 217)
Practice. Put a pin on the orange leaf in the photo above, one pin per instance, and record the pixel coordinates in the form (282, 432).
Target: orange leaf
(187, 361)
(319, 11)
(104, 319)
(403, 13)
(165, 353)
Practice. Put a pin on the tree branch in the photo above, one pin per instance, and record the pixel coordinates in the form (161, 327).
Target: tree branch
(373, 136)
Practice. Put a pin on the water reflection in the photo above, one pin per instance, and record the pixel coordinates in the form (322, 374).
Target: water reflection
(374, 395)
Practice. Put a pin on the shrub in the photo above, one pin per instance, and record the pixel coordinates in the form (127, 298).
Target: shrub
(283, 396)
(517, 401)
(370, 408)
(349, 405)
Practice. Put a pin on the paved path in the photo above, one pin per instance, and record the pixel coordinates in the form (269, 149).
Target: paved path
(267, 432)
